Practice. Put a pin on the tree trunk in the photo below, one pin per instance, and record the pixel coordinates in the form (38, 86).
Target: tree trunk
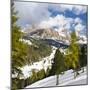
(77, 73)
(83, 70)
(74, 75)
(22, 83)
(57, 79)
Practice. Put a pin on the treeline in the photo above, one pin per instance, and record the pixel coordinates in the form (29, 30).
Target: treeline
(60, 61)
(58, 67)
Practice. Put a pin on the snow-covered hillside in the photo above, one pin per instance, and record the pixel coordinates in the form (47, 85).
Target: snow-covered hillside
(65, 79)
(42, 64)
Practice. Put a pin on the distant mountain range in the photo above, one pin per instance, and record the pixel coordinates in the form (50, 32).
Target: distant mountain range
(49, 33)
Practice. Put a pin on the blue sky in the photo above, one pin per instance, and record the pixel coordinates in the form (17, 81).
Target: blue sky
(49, 15)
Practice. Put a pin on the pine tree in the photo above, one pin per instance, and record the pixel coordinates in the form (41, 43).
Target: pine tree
(41, 74)
(58, 65)
(72, 54)
(83, 57)
(19, 49)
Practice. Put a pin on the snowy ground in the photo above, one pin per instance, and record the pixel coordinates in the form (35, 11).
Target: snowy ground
(66, 79)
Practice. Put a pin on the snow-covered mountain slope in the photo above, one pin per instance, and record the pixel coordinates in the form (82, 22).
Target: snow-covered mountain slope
(65, 79)
(44, 33)
(42, 64)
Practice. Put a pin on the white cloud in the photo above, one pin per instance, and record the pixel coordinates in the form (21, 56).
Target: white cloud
(30, 12)
(59, 21)
(79, 27)
(77, 20)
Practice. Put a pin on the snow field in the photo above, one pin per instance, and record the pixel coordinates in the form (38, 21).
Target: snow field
(66, 79)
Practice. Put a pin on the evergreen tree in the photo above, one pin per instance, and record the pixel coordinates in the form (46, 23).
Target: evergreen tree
(41, 74)
(72, 54)
(83, 57)
(19, 49)
(58, 65)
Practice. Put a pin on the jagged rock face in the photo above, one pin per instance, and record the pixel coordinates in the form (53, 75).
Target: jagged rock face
(49, 33)
(45, 33)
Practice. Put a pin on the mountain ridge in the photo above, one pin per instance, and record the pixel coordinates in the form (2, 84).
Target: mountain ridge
(49, 33)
